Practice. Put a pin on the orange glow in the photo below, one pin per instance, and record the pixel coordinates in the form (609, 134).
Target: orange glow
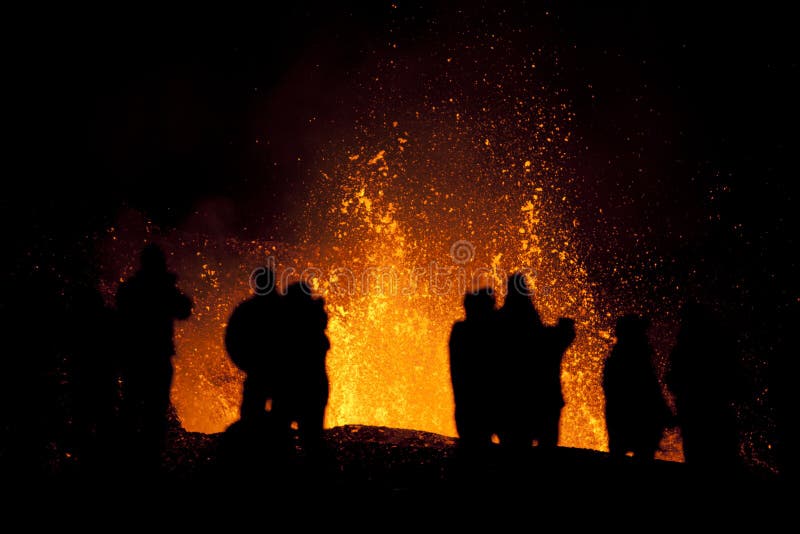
(393, 292)
(389, 360)
(398, 227)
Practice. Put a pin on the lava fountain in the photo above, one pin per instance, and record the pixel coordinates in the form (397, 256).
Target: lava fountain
(396, 238)
(421, 244)
(416, 200)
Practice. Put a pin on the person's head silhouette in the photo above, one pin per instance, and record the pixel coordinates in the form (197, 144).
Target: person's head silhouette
(566, 324)
(299, 291)
(519, 295)
(518, 286)
(479, 304)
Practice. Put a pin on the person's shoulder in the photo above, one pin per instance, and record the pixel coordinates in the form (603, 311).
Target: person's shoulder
(129, 282)
(128, 288)
(459, 326)
(243, 307)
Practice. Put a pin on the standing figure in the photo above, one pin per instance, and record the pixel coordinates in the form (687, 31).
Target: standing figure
(251, 339)
(636, 412)
(302, 392)
(521, 336)
(148, 304)
(705, 380)
(472, 346)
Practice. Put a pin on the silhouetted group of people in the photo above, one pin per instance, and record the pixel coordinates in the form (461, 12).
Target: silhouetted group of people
(92, 390)
(120, 367)
(117, 364)
(279, 341)
(506, 370)
(506, 366)
(703, 378)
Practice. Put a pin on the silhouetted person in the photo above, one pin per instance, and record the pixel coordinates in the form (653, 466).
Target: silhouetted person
(547, 398)
(94, 371)
(704, 378)
(636, 412)
(148, 304)
(254, 341)
(472, 347)
(521, 336)
(302, 389)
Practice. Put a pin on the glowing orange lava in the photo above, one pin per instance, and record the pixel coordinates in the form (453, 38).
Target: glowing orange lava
(389, 267)
(421, 206)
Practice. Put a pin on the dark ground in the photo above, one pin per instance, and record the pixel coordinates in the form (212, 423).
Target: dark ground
(377, 478)
(396, 462)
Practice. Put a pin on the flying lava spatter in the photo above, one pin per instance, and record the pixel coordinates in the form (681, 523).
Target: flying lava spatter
(426, 193)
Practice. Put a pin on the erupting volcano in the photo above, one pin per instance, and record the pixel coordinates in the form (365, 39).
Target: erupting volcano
(428, 191)
(632, 162)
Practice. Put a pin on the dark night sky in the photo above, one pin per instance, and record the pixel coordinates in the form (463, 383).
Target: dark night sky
(127, 104)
